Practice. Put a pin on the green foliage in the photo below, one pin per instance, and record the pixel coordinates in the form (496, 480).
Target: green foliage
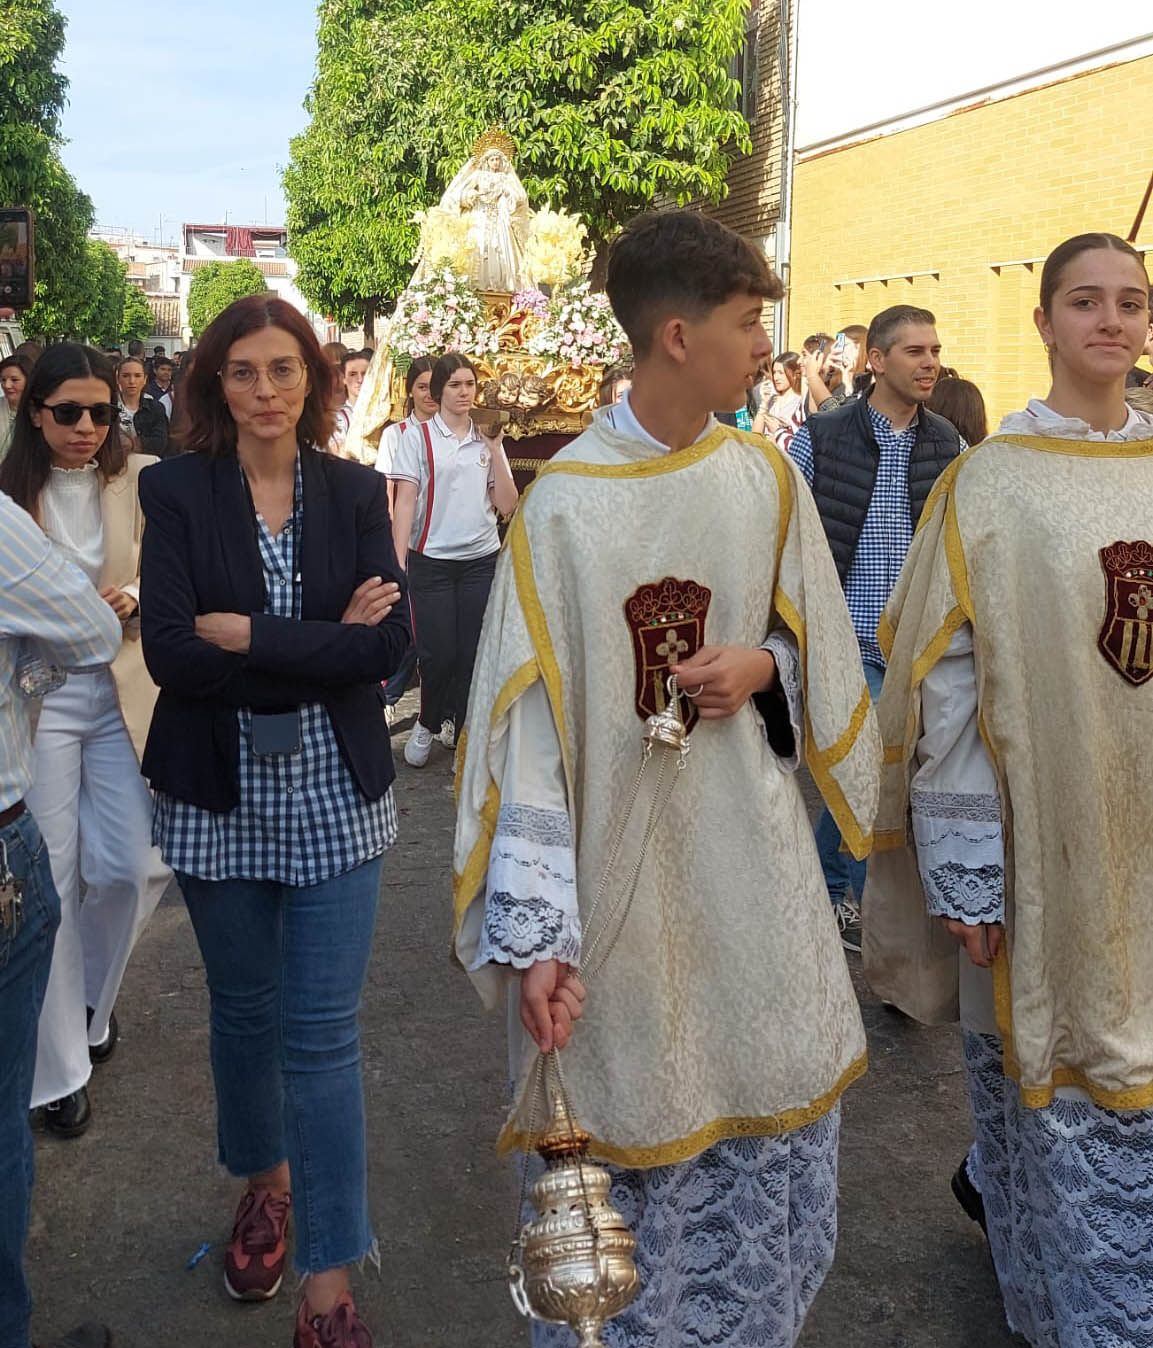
(137, 321)
(32, 95)
(613, 105)
(215, 286)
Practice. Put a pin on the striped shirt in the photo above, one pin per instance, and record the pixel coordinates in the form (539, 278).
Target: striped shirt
(887, 532)
(50, 609)
(301, 818)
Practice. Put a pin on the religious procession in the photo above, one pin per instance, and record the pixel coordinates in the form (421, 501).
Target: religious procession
(615, 788)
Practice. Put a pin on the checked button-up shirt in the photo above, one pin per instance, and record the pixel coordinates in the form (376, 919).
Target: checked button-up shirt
(887, 532)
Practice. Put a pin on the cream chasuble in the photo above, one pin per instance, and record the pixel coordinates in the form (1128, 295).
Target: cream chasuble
(1044, 547)
(726, 1008)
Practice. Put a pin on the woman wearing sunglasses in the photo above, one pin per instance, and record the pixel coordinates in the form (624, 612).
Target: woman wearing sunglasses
(68, 468)
(272, 614)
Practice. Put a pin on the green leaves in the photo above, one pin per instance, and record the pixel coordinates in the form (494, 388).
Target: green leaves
(216, 285)
(613, 105)
(31, 173)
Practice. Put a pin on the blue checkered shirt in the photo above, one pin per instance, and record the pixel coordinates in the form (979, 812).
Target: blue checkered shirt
(887, 531)
(301, 818)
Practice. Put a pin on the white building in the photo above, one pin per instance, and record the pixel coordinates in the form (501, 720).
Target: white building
(266, 245)
(155, 269)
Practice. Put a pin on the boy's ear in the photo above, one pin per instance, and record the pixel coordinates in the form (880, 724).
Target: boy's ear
(672, 338)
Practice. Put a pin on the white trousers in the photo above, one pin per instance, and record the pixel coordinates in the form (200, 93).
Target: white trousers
(95, 812)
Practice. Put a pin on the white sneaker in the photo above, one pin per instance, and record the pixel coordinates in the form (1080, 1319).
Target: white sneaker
(419, 746)
(448, 734)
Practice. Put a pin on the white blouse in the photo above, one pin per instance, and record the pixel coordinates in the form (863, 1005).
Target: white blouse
(71, 516)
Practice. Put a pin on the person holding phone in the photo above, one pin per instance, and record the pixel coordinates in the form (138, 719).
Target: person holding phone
(272, 604)
(70, 470)
(453, 482)
(836, 369)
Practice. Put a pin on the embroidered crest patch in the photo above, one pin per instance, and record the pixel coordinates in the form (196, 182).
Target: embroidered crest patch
(667, 620)
(1126, 638)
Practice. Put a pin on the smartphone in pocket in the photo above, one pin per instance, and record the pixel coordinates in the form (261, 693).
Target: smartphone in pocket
(276, 733)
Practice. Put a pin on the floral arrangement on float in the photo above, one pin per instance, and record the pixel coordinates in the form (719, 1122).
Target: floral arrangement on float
(438, 314)
(579, 328)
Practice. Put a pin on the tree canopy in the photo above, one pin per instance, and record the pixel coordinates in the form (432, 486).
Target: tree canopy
(215, 286)
(614, 105)
(138, 320)
(32, 95)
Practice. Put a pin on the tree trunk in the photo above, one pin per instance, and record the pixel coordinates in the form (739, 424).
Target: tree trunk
(600, 268)
(370, 323)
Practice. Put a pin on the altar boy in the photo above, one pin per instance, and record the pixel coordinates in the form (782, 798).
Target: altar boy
(713, 1046)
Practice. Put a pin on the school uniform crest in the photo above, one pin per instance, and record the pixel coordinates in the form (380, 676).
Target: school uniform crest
(1126, 638)
(667, 621)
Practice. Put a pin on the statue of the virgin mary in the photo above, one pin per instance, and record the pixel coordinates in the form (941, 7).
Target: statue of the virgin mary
(488, 193)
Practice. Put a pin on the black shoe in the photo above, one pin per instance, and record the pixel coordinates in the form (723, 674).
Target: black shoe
(69, 1117)
(966, 1194)
(101, 1052)
(87, 1335)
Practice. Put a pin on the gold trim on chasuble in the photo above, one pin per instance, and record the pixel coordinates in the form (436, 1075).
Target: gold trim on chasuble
(1081, 449)
(1126, 637)
(685, 1148)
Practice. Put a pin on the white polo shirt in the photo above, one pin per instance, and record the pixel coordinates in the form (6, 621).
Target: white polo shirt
(455, 518)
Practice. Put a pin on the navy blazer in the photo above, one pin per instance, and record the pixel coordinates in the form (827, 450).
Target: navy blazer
(200, 555)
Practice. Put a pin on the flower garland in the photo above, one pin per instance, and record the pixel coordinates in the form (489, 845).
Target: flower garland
(580, 328)
(438, 314)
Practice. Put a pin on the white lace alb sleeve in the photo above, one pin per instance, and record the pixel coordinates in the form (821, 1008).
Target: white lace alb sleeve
(955, 803)
(782, 646)
(530, 910)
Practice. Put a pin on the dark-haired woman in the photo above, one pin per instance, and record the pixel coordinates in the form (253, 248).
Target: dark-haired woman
(961, 402)
(141, 415)
(453, 481)
(1016, 712)
(69, 469)
(14, 372)
(419, 407)
(272, 612)
(781, 396)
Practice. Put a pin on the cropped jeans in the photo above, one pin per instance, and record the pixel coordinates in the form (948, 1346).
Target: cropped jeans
(25, 958)
(842, 871)
(285, 966)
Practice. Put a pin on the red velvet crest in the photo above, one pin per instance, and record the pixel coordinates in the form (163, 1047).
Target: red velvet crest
(667, 620)
(1126, 638)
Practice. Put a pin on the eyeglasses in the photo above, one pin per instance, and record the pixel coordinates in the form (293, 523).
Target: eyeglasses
(284, 374)
(69, 414)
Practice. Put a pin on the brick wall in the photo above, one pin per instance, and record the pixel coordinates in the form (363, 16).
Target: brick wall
(753, 205)
(958, 197)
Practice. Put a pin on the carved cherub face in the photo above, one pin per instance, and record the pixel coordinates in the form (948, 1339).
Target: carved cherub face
(535, 393)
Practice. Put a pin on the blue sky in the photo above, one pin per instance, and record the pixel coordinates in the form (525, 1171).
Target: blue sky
(185, 111)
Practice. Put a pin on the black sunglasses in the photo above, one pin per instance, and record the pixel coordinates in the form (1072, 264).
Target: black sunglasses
(68, 414)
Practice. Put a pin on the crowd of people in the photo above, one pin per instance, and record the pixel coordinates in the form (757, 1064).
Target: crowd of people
(815, 558)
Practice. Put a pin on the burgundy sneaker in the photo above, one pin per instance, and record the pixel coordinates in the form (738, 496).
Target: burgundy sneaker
(340, 1328)
(254, 1260)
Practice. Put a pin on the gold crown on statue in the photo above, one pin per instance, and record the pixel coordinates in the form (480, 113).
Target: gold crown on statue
(495, 139)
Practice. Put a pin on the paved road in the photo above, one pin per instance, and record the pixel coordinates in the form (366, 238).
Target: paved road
(119, 1212)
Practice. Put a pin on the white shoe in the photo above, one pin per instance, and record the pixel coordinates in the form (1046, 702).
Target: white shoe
(419, 746)
(448, 734)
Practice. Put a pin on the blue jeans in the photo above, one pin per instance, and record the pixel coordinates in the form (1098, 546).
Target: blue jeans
(25, 958)
(843, 872)
(285, 967)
